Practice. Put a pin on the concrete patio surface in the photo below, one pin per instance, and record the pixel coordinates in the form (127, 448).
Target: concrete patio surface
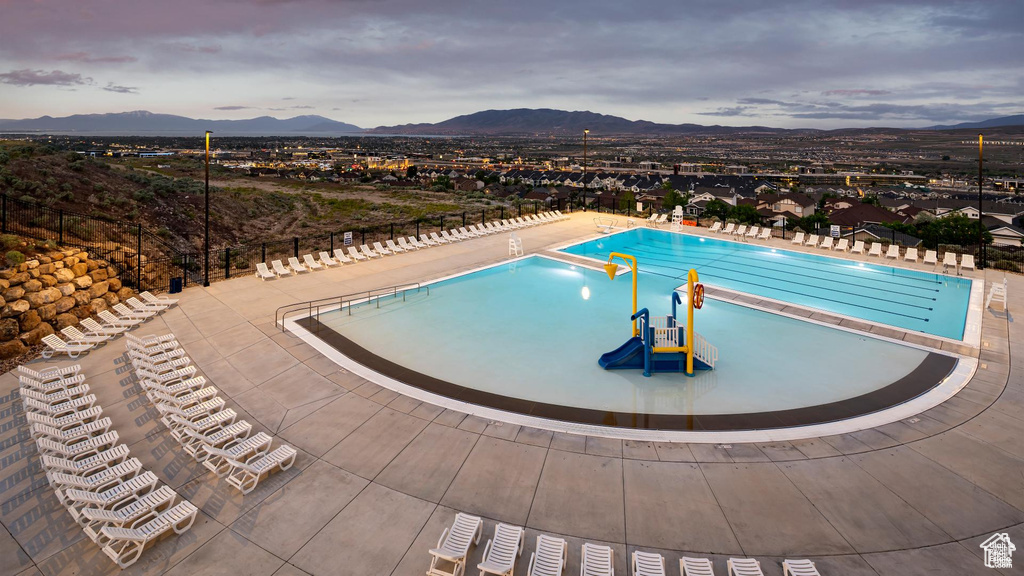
(379, 475)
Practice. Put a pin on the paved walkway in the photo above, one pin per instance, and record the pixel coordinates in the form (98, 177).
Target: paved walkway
(379, 475)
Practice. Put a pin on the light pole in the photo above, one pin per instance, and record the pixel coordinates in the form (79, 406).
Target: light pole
(585, 132)
(981, 225)
(206, 234)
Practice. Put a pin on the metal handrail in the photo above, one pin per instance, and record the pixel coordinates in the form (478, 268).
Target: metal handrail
(339, 302)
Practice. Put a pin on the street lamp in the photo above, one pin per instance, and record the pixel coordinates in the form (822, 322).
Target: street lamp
(981, 225)
(206, 234)
(585, 132)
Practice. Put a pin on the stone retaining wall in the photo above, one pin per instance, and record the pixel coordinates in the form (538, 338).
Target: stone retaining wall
(50, 292)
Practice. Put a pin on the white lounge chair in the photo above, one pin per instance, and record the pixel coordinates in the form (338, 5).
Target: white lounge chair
(405, 245)
(744, 567)
(83, 467)
(453, 545)
(262, 272)
(437, 239)
(597, 560)
(71, 435)
(842, 245)
(61, 409)
(875, 250)
(295, 265)
(88, 447)
(415, 243)
(71, 420)
(502, 550)
(967, 262)
(54, 399)
(812, 240)
(218, 458)
(356, 255)
(549, 557)
(562, 216)
(327, 261)
(466, 233)
(858, 247)
(949, 261)
(127, 312)
(196, 442)
(57, 346)
(662, 219)
(826, 243)
(930, 257)
(366, 251)
(695, 567)
(729, 229)
(340, 256)
(380, 249)
(427, 241)
(311, 264)
(741, 230)
(893, 252)
(752, 233)
(395, 248)
(125, 545)
(143, 307)
(50, 375)
(96, 481)
(153, 299)
(648, 564)
(766, 233)
(798, 239)
(279, 268)
(130, 512)
(75, 336)
(246, 475)
(716, 226)
(911, 255)
(799, 568)
(448, 236)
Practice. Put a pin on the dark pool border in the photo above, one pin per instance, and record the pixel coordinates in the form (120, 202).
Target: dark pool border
(932, 370)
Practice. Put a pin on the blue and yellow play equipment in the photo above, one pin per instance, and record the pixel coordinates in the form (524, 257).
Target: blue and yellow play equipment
(662, 344)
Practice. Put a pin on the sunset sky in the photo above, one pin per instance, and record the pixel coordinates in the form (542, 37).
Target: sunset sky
(820, 64)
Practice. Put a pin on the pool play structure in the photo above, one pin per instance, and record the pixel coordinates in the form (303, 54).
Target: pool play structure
(661, 344)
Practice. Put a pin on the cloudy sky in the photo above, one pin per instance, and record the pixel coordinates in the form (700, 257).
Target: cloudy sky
(813, 63)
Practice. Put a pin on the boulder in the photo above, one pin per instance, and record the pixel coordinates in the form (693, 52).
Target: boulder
(81, 312)
(4, 284)
(125, 293)
(114, 284)
(64, 275)
(47, 296)
(81, 297)
(9, 329)
(98, 275)
(14, 293)
(70, 261)
(112, 271)
(57, 256)
(43, 261)
(46, 268)
(66, 288)
(12, 349)
(36, 335)
(98, 289)
(111, 298)
(47, 280)
(64, 304)
(58, 265)
(6, 274)
(16, 308)
(69, 252)
(92, 265)
(32, 286)
(19, 278)
(32, 264)
(29, 320)
(82, 282)
(62, 321)
(46, 312)
(97, 305)
(80, 269)
(82, 256)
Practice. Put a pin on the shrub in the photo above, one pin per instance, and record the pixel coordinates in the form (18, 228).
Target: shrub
(9, 241)
(14, 258)
(1006, 265)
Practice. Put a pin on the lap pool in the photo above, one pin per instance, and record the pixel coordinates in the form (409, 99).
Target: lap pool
(522, 337)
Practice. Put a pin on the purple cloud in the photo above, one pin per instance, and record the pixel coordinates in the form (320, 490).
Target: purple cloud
(111, 87)
(856, 92)
(27, 77)
(90, 59)
(233, 108)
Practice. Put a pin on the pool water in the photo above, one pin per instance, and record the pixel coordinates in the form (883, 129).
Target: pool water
(525, 330)
(914, 300)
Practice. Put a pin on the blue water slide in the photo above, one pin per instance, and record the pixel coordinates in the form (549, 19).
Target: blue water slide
(629, 355)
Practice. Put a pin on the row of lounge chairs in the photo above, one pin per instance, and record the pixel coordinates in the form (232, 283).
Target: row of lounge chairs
(119, 505)
(949, 260)
(551, 553)
(197, 417)
(742, 231)
(78, 342)
(310, 264)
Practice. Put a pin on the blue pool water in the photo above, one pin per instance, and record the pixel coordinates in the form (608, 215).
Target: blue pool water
(525, 330)
(915, 300)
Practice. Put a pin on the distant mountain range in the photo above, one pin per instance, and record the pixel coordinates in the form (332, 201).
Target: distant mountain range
(142, 123)
(521, 121)
(528, 121)
(1016, 120)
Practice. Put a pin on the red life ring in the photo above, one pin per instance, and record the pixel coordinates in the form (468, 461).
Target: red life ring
(698, 296)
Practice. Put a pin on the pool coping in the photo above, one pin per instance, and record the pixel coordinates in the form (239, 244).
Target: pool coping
(972, 320)
(959, 375)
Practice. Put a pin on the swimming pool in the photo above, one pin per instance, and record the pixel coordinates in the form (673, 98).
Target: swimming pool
(525, 337)
(914, 300)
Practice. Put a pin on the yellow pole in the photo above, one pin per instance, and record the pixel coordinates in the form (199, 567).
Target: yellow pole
(691, 279)
(611, 269)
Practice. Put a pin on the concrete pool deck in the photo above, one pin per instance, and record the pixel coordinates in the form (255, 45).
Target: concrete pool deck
(380, 475)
